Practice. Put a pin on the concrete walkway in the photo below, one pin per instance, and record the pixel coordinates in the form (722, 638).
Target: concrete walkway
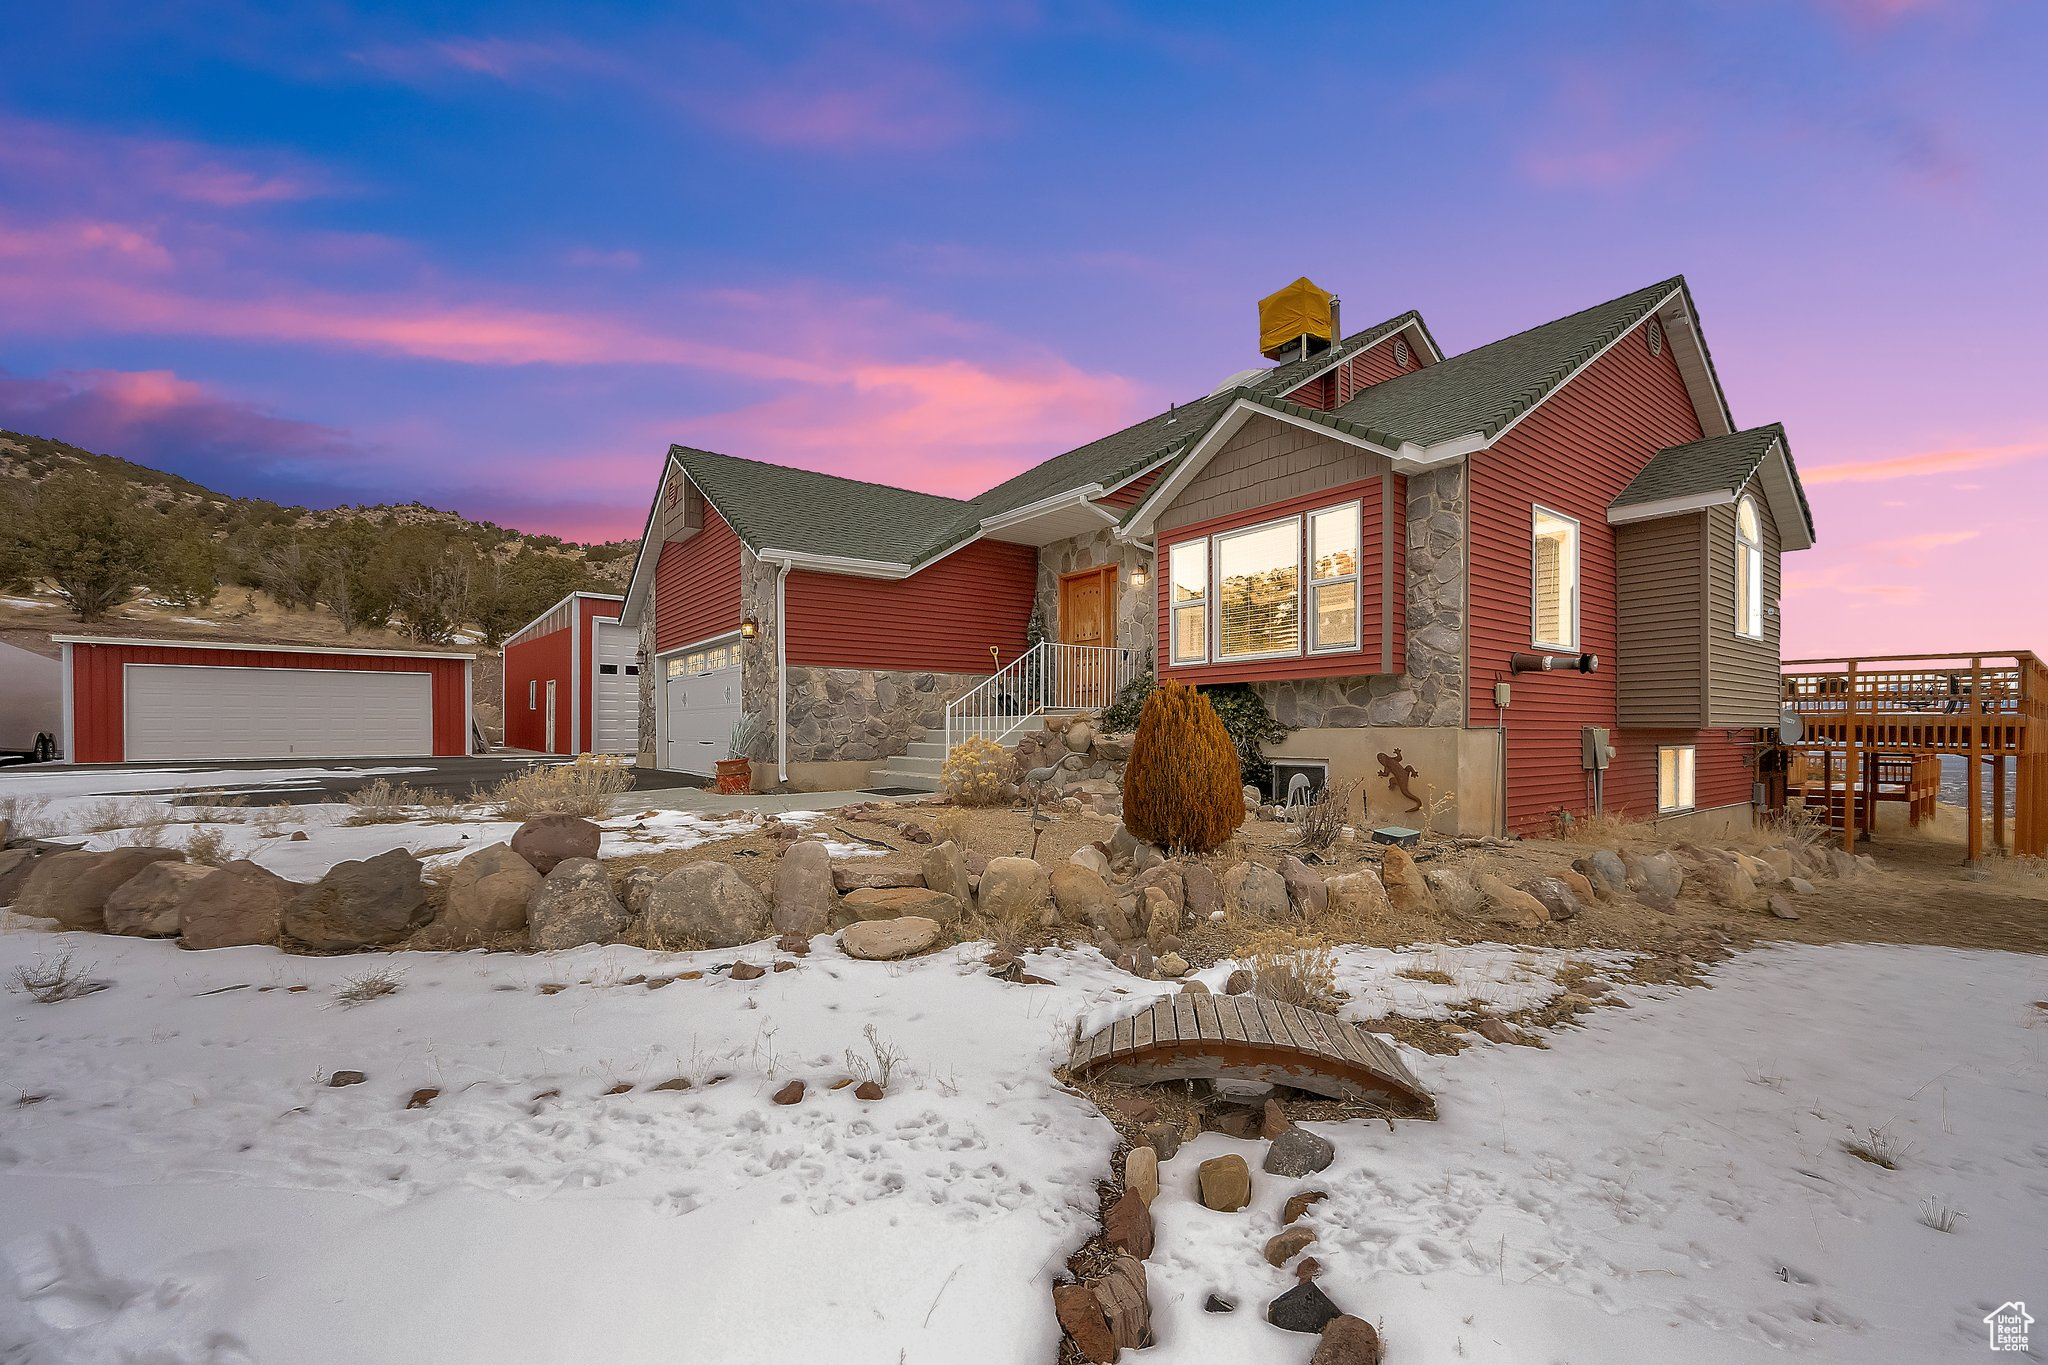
(708, 802)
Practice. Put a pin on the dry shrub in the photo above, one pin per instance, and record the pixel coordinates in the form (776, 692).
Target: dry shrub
(49, 981)
(102, 817)
(1181, 787)
(976, 772)
(208, 847)
(1607, 829)
(271, 820)
(585, 787)
(381, 803)
(1294, 969)
(367, 986)
(1319, 822)
(25, 815)
(951, 827)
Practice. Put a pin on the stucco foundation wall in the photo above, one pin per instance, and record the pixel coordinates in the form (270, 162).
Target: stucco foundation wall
(1135, 624)
(1430, 689)
(840, 715)
(1722, 822)
(1457, 772)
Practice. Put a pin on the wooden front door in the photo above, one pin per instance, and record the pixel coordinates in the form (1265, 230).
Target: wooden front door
(1087, 617)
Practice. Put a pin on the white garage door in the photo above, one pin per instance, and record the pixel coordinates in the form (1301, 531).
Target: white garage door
(701, 699)
(615, 699)
(179, 712)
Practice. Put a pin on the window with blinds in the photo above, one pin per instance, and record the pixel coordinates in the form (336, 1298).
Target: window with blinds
(1554, 575)
(1188, 588)
(1333, 549)
(1258, 591)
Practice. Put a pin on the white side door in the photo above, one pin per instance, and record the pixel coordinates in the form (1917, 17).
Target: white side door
(615, 691)
(701, 705)
(173, 711)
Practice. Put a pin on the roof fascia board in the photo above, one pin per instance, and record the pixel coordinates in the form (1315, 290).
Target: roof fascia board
(839, 564)
(513, 638)
(636, 587)
(1227, 424)
(1057, 502)
(1670, 507)
(1696, 366)
(1415, 459)
(141, 643)
(1590, 361)
(1775, 473)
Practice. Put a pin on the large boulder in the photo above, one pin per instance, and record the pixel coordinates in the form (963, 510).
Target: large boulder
(883, 940)
(1256, 891)
(805, 896)
(73, 888)
(1358, 895)
(1511, 904)
(896, 902)
(1204, 893)
(854, 876)
(547, 841)
(1306, 890)
(1092, 858)
(15, 866)
(1407, 892)
(945, 870)
(1014, 890)
(234, 906)
(1560, 902)
(1167, 879)
(360, 904)
(636, 887)
(1656, 877)
(574, 905)
(1083, 896)
(488, 893)
(705, 905)
(1606, 872)
(146, 905)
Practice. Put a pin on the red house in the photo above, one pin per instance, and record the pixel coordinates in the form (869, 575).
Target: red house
(572, 680)
(1537, 577)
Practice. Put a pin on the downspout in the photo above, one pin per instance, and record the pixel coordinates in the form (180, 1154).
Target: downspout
(782, 674)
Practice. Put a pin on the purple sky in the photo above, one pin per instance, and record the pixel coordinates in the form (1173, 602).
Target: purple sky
(499, 257)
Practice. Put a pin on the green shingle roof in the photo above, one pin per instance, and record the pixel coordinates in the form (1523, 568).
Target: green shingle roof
(773, 506)
(1715, 464)
(1483, 390)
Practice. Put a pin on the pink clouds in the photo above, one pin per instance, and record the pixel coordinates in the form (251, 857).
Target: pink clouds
(91, 166)
(1924, 463)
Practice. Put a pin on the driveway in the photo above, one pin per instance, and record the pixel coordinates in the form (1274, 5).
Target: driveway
(271, 780)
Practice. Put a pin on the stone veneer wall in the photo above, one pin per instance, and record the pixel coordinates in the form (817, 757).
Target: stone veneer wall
(647, 758)
(1135, 611)
(864, 714)
(1432, 689)
(757, 658)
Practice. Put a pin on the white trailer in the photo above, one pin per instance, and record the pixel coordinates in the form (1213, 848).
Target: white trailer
(31, 705)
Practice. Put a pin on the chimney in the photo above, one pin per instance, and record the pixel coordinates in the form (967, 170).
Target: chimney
(1336, 320)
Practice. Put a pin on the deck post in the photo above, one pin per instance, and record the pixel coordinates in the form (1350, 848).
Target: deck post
(1849, 767)
(1998, 802)
(1976, 781)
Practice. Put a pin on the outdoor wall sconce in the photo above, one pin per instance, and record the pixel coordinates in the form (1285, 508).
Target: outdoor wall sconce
(750, 629)
(1138, 577)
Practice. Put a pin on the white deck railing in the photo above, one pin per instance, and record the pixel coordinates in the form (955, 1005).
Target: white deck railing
(1046, 677)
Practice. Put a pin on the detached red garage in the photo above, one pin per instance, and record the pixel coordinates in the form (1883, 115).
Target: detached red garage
(130, 701)
(572, 679)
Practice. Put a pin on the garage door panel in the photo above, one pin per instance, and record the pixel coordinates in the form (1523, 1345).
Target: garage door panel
(702, 709)
(615, 705)
(182, 712)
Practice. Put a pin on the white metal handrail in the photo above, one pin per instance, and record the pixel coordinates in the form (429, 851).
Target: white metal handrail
(1046, 677)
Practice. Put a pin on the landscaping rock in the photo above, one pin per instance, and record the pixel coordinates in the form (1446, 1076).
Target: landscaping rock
(805, 897)
(1303, 1308)
(867, 1090)
(1780, 908)
(1298, 1152)
(1173, 965)
(1558, 901)
(1194, 985)
(1126, 1301)
(746, 971)
(1092, 858)
(1497, 1031)
(346, 1078)
(488, 893)
(1256, 891)
(1358, 895)
(1238, 982)
(1512, 906)
(1657, 875)
(1202, 894)
(1141, 1173)
(73, 888)
(1580, 887)
(1014, 890)
(1224, 1183)
(15, 866)
(234, 906)
(1273, 1120)
(1407, 892)
(883, 940)
(1162, 1137)
(1283, 1247)
(895, 903)
(636, 888)
(572, 906)
(945, 871)
(146, 905)
(853, 877)
(1082, 1319)
(704, 905)
(1161, 918)
(1347, 1341)
(793, 1093)
(1166, 879)
(1800, 886)
(548, 841)
(1606, 873)
(1216, 1303)
(361, 904)
(1306, 891)
(1128, 1225)
(1083, 897)
(1298, 1204)
(1306, 1269)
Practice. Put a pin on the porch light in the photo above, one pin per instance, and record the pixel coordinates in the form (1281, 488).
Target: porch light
(1138, 577)
(750, 629)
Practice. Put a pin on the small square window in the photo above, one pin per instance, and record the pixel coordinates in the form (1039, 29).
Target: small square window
(608, 670)
(1675, 778)
(533, 694)
(632, 670)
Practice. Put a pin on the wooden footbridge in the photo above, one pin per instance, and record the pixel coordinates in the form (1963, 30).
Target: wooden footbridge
(1875, 726)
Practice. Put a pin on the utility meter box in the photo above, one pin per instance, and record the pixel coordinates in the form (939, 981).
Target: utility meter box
(1596, 750)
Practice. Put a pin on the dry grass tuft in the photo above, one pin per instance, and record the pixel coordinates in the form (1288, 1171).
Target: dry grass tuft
(1429, 974)
(381, 803)
(1879, 1146)
(25, 814)
(208, 847)
(1294, 969)
(583, 788)
(270, 821)
(1940, 1216)
(51, 980)
(1608, 829)
(886, 1058)
(952, 827)
(367, 986)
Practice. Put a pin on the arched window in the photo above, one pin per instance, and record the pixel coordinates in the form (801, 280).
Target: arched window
(1749, 571)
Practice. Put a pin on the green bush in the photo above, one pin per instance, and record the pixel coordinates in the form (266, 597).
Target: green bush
(1121, 716)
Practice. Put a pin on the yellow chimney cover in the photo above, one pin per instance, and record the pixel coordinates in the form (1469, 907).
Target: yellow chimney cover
(1286, 315)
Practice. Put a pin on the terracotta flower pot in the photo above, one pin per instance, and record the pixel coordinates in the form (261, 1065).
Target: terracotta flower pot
(735, 776)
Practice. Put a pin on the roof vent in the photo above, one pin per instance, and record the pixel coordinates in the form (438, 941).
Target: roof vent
(1401, 352)
(1297, 321)
(1655, 332)
(1241, 377)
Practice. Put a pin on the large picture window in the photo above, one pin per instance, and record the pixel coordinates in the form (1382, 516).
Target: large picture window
(1554, 606)
(1749, 571)
(1674, 778)
(1333, 548)
(1258, 591)
(1188, 584)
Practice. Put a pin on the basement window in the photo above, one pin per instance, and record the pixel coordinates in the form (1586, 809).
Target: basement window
(1674, 778)
(1554, 578)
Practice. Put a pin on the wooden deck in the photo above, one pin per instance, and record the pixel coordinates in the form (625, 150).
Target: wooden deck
(1197, 1035)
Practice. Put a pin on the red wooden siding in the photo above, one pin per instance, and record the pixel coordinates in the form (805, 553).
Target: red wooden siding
(942, 618)
(1341, 385)
(1399, 531)
(99, 717)
(697, 585)
(589, 611)
(537, 661)
(1572, 455)
(1350, 663)
(1723, 770)
(1130, 493)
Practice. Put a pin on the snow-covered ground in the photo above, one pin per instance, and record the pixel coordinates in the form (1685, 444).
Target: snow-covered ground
(178, 1184)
